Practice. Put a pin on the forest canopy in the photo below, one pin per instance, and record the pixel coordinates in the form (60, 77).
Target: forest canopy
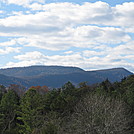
(103, 108)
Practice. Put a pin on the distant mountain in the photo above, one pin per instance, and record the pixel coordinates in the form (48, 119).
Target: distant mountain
(7, 80)
(115, 74)
(34, 71)
(56, 76)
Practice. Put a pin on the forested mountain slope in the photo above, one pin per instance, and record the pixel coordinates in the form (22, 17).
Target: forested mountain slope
(7, 80)
(34, 71)
(56, 76)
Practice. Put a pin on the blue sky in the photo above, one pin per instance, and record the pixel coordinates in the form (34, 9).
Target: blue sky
(88, 34)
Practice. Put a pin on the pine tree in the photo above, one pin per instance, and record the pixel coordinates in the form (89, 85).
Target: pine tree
(8, 107)
(31, 112)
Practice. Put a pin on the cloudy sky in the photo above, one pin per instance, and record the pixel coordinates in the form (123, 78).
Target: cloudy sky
(88, 34)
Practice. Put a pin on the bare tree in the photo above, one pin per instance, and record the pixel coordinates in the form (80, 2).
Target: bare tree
(99, 115)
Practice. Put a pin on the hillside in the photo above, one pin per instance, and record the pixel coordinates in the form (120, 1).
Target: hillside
(7, 80)
(56, 76)
(34, 71)
(115, 74)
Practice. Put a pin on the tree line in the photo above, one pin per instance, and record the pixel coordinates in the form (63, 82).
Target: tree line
(105, 108)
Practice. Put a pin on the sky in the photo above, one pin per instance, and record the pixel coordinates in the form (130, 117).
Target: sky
(89, 34)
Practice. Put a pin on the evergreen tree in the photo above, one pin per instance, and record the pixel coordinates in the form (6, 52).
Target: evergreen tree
(8, 107)
(31, 112)
(2, 91)
(68, 86)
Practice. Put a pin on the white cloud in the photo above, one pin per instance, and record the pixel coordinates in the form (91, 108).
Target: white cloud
(1, 11)
(30, 56)
(124, 14)
(88, 13)
(8, 43)
(33, 58)
(36, 6)
(105, 31)
(68, 52)
(20, 64)
(123, 50)
(86, 35)
(22, 2)
(8, 50)
(52, 38)
(74, 59)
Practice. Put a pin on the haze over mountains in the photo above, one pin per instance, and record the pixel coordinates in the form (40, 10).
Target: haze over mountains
(56, 76)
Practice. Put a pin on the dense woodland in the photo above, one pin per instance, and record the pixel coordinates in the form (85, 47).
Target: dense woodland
(105, 108)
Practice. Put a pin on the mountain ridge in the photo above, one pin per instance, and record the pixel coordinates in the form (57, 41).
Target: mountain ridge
(39, 70)
(56, 76)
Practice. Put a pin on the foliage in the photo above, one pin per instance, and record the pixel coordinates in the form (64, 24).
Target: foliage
(98, 109)
(97, 114)
(8, 107)
(31, 112)
(2, 91)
